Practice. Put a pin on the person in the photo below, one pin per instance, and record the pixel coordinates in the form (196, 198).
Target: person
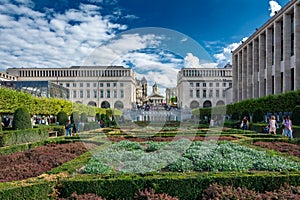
(69, 128)
(287, 127)
(245, 124)
(272, 125)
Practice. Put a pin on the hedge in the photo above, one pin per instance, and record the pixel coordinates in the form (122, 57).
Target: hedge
(185, 186)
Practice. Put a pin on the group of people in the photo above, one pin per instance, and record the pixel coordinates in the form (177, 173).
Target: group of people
(273, 126)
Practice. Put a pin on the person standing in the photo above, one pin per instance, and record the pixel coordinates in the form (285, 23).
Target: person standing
(245, 124)
(287, 123)
(69, 128)
(272, 125)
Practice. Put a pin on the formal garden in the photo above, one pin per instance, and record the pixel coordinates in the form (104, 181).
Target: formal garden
(179, 160)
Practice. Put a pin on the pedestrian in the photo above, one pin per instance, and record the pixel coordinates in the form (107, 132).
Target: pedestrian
(245, 124)
(69, 128)
(287, 127)
(272, 125)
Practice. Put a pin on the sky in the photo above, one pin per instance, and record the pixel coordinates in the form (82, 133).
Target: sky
(156, 38)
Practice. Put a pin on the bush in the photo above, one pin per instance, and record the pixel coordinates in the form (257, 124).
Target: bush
(84, 117)
(62, 118)
(296, 116)
(21, 119)
(258, 116)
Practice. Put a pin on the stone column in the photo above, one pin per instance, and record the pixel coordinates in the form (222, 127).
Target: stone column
(297, 46)
(277, 55)
(255, 68)
(234, 77)
(244, 73)
(269, 60)
(239, 76)
(262, 63)
(286, 52)
(249, 71)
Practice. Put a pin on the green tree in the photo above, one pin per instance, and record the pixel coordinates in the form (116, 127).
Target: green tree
(296, 116)
(62, 118)
(21, 119)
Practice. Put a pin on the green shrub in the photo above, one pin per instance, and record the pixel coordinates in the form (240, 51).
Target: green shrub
(62, 118)
(296, 116)
(258, 116)
(235, 116)
(84, 117)
(21, 119)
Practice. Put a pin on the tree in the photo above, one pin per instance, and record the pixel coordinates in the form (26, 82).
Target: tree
(21, 119)
(62, 118)
(296, 116)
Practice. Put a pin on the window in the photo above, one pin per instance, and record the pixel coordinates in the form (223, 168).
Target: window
(122, 93)
(191, 85)
(210, 84)
(204, 84)
(67, 84)
(81, 93)
(191, 93)
(115, 85)
(115, 93)
(88, 94)
(107, 93)
(198, 93)
(81, 84)
(217, 84)
(204, 93)
(61, 84)
(197, 84)
(121, 84)
(223, 94)
(95, 93)
(210, 93)
(100, 84)
(107, 84)
(74, 85)
(95, 85)
(224, 84)
(217, 93)
(230, 84)
(74, 94)
(88, 84)
(101, 94)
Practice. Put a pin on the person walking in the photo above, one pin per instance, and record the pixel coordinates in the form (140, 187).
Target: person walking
(69, 128)
(287, 124)
(272, 125)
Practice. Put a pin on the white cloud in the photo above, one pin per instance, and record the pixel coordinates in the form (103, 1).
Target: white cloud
(31, 38)
(191, 61)
(274, 7)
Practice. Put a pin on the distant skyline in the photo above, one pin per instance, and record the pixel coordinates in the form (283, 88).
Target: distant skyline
(155, 38)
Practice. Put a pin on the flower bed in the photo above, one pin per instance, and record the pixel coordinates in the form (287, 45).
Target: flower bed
(34, 162)
(183, 156)
(168, 139)
(284, 147)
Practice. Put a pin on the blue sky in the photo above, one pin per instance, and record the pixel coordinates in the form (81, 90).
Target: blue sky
(156, 38)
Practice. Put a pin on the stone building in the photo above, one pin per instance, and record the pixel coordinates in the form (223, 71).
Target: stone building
(268, 62)
(101, 86)
(141, 91)
(203, 87)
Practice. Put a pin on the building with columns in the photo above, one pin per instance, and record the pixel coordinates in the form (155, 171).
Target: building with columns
(268, 62)
(203, 87)
(101, 86)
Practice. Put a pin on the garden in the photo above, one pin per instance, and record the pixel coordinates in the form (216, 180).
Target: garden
(175, 161)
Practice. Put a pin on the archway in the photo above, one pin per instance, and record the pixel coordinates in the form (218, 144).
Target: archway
(220, 103)
(92, 103)
(119, 105)
(207, 104)
(194, 104)
(105, 104)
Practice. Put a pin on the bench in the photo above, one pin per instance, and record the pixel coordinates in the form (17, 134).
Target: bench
(53, 134)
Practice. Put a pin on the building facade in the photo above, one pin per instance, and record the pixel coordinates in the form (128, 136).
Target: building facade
(203, 87)
(268, 62)
(106, 87)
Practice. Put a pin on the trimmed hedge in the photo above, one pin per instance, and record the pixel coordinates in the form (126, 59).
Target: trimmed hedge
(185, 186)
